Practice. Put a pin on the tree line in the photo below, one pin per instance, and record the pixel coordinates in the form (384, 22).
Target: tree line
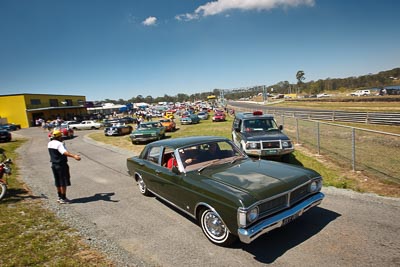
(379, 80)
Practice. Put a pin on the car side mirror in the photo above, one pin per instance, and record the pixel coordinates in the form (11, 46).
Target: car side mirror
(281, 127)
(175, 170)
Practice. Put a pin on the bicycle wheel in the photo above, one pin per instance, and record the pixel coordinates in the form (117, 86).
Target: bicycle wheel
(3, 190)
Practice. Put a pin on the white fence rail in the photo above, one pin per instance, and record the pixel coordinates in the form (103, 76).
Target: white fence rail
(344, 116)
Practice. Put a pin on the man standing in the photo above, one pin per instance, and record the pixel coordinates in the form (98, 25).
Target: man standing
(58, 158)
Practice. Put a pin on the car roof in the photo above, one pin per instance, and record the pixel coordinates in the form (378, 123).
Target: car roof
(187, 141)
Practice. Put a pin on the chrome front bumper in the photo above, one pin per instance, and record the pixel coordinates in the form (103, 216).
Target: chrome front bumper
(266, 153)
(250, 234)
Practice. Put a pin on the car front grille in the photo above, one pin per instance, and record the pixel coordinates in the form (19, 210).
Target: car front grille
(298, 194)
(271, 144)
(273, 205)
(142, 135)
(283, 201)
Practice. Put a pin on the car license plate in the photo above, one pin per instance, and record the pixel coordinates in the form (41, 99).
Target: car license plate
(270, 152)
(291, 218)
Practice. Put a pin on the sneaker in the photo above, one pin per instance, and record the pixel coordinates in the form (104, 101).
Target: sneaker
(62, 201)
(67, 200)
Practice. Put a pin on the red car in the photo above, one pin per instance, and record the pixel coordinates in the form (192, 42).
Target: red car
(219, 116)
(67, 133)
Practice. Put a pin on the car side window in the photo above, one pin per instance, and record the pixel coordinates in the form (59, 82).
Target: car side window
(169, 158)
(236, 123)
(154, 154)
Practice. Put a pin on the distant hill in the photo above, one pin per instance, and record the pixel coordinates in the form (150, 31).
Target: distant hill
(379, 80)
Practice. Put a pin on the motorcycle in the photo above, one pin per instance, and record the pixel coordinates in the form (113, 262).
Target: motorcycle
(5, 172)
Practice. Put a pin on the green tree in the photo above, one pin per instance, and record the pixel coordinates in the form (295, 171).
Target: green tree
(300, 78)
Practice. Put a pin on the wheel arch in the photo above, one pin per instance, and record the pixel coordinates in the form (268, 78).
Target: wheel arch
(136, 176)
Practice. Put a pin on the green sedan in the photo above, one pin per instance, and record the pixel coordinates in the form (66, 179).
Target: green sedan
(231, 195)
(148, 131)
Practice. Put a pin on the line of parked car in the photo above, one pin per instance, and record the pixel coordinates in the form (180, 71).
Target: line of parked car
(146, 131)
(139, 131)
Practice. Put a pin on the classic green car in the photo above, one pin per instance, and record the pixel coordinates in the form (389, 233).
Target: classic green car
(231, 195)
(148, 131)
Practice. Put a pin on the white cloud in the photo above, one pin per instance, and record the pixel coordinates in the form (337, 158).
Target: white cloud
(220, 6)
(150, 21)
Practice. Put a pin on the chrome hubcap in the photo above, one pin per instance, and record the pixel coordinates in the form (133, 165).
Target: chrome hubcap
(214, 225)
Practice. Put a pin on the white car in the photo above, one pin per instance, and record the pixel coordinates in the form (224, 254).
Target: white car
(361, 93)
(69, 123)
(86, 125)
(323, 95)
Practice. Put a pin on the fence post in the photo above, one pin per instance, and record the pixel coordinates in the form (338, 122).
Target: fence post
(297, 131)
(353, 148)
(318, 140)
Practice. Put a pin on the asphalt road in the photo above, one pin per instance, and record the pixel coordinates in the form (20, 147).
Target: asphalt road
(347, 229)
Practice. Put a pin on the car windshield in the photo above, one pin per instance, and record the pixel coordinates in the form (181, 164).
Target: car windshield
(200, 156)
(149, 125)
(259, 125)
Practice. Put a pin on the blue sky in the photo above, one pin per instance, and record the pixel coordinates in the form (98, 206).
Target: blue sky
(118, 49)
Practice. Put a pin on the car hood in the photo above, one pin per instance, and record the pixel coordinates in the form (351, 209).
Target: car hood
(265, 136)
(254, 180)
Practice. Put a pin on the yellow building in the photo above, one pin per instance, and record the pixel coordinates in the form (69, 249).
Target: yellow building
(25, 109)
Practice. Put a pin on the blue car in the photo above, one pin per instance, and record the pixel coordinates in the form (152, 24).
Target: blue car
(190, 119)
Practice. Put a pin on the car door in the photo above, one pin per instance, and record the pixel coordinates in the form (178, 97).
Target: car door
(84, 125)
(168, 182)
(151, 168)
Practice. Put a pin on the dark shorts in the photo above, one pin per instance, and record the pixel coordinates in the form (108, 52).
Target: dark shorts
(61, 174)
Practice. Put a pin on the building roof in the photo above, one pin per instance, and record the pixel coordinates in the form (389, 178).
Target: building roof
(41, 94)
(54, 108)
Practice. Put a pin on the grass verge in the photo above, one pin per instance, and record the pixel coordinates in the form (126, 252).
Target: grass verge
(33, 236)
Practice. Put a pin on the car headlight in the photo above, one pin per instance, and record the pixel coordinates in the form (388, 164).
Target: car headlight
(315, 186)
(252, 215)
(286, 144)
(253, 145)
(246, 217)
